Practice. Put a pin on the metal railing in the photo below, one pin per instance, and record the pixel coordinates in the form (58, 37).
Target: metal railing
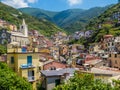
(23, 66)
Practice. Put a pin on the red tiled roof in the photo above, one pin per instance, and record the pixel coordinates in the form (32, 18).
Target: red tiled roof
(54, 64)
(47, 56)
(92, 62)
(91, 57)
(49, 43)
(108, 36)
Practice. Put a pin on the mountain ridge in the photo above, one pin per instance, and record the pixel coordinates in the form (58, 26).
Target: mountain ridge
(68, 19)
(14, 16)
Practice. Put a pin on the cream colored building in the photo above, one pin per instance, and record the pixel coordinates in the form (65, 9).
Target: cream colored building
(25, 64)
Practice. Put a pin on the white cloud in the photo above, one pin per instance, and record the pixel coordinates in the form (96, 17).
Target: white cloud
(32, 1)
(18, 3)
(74, 2)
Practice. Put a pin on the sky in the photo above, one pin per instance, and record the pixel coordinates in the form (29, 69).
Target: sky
(58, 5)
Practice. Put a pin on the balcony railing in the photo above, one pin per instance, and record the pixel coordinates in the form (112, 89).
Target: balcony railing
(25, 66)
(21, 50)
(31, 78)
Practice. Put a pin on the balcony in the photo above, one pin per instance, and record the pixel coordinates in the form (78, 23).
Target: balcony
(105, 56)
(21, 50)
(26, 66)
(31, 78)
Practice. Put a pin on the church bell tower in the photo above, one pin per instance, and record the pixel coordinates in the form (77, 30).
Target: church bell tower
(24, 28)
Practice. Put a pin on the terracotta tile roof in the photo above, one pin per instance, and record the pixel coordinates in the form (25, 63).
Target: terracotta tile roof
(91, 57)
(108, 36)
(55, 64)
(93, 62)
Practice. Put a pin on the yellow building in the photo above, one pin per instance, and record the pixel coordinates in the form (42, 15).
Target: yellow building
(94, 48)
(24, 63)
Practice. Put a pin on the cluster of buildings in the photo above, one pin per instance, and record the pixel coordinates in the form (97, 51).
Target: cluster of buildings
(35, 57)
(9, 26)
(52, 61)
(82, 34)
(18, 36)
(106, 48)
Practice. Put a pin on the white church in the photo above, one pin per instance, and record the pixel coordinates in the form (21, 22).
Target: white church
(20, 36)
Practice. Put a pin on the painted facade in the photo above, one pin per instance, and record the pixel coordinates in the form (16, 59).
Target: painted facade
(114, 60)
(25, 64)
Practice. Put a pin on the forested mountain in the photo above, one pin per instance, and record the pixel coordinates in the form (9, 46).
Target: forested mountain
(71, 20)
(14, 16)
(106, 23)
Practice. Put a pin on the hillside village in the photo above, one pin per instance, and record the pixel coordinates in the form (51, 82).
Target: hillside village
(34, 56)
(53, 60)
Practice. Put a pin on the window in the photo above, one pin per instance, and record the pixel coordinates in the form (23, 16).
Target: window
(22, 27)
(110, 63)
(31, 75)
(112, 44)
(12, 60)
(40, 68)
(57, 82)
(115, 55)
(109, 55)
(52, 68)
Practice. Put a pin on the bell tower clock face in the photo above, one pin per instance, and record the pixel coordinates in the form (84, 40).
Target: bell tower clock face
(3, 35)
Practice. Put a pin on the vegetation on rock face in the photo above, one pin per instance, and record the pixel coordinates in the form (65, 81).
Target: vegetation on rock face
(84, 81)
(14, 16)
(10, 81)
(79, 41)
(105, 24)
(3, 49)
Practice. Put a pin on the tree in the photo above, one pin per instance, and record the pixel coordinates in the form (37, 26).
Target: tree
(107, 27)
(10, 81)
(2, 49)
(84, 81)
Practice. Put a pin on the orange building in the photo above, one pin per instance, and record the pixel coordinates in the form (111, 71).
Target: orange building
(114, 60)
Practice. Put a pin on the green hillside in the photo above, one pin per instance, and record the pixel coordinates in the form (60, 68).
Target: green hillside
(15, 17)
(71, 20)
(65, 16)
(35, 11)
(106, 24)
